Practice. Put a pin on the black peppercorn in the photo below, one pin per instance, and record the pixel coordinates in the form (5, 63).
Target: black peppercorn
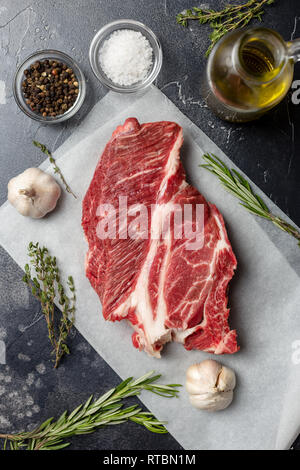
(50, 87)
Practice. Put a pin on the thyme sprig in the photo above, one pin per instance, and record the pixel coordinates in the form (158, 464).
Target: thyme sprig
(46, 286)
(56, 169)
(237, 185)
(226, 20)
(95, 414)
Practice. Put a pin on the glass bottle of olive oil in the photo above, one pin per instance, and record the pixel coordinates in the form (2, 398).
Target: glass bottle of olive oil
(248, 73)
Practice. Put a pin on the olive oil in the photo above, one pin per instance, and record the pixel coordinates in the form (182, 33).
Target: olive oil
(257, 59)
(248, 73)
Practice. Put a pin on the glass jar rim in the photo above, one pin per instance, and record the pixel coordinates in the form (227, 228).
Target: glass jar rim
(238, 62)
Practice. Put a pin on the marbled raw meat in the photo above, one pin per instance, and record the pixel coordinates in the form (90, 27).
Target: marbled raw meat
(166, 292)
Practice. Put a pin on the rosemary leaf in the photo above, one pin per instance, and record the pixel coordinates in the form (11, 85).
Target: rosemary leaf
(57, 170)
(93, 414)
(226, 20)
(237, 185)
(46, 287)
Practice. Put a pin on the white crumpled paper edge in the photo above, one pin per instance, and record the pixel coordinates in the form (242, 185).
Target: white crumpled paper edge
(264, 294)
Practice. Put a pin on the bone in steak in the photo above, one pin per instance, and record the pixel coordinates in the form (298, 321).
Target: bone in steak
(163, 290)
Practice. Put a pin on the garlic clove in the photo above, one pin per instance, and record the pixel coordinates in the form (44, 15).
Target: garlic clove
(202, 377)
(226, 380)
(210, 385)
(33, 193)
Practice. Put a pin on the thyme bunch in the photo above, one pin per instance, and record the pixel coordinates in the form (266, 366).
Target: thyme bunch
(46, 286)
(237, 185)
(226, 20)
(56, 169)
(95, 414)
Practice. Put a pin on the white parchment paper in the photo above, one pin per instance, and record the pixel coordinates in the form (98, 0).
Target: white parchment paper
(264, 295)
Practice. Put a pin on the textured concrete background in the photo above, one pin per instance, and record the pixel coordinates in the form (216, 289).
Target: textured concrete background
(267, 150)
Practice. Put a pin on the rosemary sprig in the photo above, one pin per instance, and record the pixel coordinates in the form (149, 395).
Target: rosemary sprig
(94, 414)
(46, 286)
(237, 185)
(226, 20)
(57, 170)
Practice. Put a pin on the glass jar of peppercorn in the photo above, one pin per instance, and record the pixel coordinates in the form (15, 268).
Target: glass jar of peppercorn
(49, 86)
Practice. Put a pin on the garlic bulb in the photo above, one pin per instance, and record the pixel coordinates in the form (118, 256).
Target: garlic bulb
(33, 193)
(210, 385)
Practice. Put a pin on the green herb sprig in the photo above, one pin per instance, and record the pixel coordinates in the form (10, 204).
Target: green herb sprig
(56, 169)
(95, 414)
(46, 286)
(237, 185)
(226, 20)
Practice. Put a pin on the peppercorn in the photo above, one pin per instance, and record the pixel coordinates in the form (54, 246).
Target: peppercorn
(50, 87)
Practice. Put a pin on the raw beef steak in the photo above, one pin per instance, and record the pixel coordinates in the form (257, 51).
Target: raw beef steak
(165, 290)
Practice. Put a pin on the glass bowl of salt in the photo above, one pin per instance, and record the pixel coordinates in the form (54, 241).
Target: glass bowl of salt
(125, 56)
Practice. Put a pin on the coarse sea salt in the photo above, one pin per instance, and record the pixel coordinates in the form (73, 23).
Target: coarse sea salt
(126, 57)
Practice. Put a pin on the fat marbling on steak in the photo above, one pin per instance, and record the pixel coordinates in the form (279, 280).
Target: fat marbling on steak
(165, 291)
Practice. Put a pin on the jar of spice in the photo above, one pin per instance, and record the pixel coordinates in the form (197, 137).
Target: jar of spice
(49, 86)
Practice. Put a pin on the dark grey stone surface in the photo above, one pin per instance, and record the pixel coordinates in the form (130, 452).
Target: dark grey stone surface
(266, 150)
